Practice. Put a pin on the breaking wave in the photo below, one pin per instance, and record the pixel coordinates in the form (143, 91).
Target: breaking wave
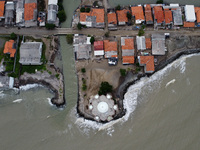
(29, 86)
(131, 97)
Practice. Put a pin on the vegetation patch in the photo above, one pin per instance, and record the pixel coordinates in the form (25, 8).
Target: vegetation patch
(83, 70)
(118, 7)
(123, 72)
(69, 38)
(50, 26)
(92, 40)
(141, 32)
(105, 88)
(61, 12)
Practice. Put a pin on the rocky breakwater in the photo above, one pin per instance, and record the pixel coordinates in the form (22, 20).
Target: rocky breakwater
(50, 81)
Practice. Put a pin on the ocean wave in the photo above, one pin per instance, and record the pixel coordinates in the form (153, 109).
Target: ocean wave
(29, 86)
(17, 101)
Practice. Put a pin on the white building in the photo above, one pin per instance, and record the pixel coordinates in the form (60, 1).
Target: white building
(190, 13)
(141, 45)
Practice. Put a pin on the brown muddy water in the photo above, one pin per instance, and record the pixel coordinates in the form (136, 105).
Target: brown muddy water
(162, 112)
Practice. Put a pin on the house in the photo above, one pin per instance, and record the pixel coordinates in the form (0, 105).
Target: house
(190, 13)
(95, 18)
(197, 11)
(20, 13)
(189, 25)
(141, 44)
(2, 5)
(177, 16)
(147, 62)
(168, 16)
(82, 46)
(138, 13)
(52, 12)
(10, 48)
(30, 53)
(30, 13)
(148, 14)
(98, 48)
(158, 44)
(127, 45)
(122, 16)
(9, 14)
(112, 20)
(158, 15)
(110, 49)
(148, 43)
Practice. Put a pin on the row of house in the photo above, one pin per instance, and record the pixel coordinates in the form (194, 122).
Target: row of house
(24, 13)
(159, 15)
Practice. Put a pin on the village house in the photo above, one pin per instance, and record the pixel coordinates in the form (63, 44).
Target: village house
(98, 48)
(138, 14)
(168, 16)
(112, 20)
(122, 16)
(158, 44)
(10, 48)
(30, 53)
(197, 11)
(148, 43)
(147, 62)
(158, 15)
(95, 18)
(2, 5)
(20, 13)
(30, 13)
(9, 14)
(190, 13)
(82, 47)
(177, 16)
(52, 12)
(110, 49)
(127, 45)
(189, 24)
(148, 14)
(141, 43)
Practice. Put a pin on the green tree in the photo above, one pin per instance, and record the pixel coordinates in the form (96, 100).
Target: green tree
(50, 26)
(159, 2)
(92, 40)
(62, 16)
(123, 72)
(105, 88)
(87, 10)
(129, 16)
(83, 70)
(107, 34)
(69, 38)
(13, 36)
(79, 26)
(118, 7)
(82, 9)
(141, 32)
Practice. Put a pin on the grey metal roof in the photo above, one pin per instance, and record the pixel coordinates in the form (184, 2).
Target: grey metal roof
(20, 13)
(177, 16)
(141, 45)
(52, 13)
(158, 44)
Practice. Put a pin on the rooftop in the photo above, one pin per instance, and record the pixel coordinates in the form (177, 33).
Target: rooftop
(122, 15)
(9, 48)
(148, 62)
(98, 13)
(127, 44)
(189, 24)
(148, 43)
(158, 14)
(158, 44)
(112, 18)
(177, 16)
(148, 13)
(168, 16)
(138, 12)
(197, 10)
(110, 48)
(29, 10)
(2, 4)
(128, 59)
(141, 45)
(98, 45)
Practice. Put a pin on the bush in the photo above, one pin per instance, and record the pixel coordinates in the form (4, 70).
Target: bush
(123, 72)
(141, 32)
(69, 38)
(50, 26)
(129, 15)
(118, 7)
(92, 40)
(62, 16)
(84, 87)
(82, 9)
(87, 10)
(13, 36)
(107, 34)
(83, 70)
(143, 26)
(79, 26)
(159, 2)
(105, 88)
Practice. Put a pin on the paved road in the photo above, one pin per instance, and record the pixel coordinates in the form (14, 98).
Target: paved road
(91, 31)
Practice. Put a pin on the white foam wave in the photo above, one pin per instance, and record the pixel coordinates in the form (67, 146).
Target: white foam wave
(49, 101)
(1, 85)
(170, 82)
(29, 86)
(17, 101)
(131, 97)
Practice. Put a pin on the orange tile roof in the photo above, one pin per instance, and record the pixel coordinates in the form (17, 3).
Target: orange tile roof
(137, 11)
(29, 11)
(148, 43)
(149, 61)
(8, 48)
(110, 46)
(83, 16)
(99, 13)
(197, 10)
(112, 18)
(122, 15)
(168, 16)
(148, 13)
(129, 44)
(128, 59)
(2, 4)
(158, 14)
(189, 24)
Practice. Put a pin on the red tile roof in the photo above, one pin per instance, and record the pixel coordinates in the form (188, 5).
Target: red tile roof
(110, 46)
(129, 44)
(112, 18)
(8, 48)
(148, 43)
(99, 13)
(158, 14)
(197, 10)
(122, 15)
(2, 4)
(128, 59)
(98, 45)
(29, 11)
(83, 16)
(148, 61)
(137, 11)
(189, 24)
(148, 13)
(168, 16)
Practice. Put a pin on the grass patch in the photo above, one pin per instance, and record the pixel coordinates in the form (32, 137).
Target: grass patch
(123, 72)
